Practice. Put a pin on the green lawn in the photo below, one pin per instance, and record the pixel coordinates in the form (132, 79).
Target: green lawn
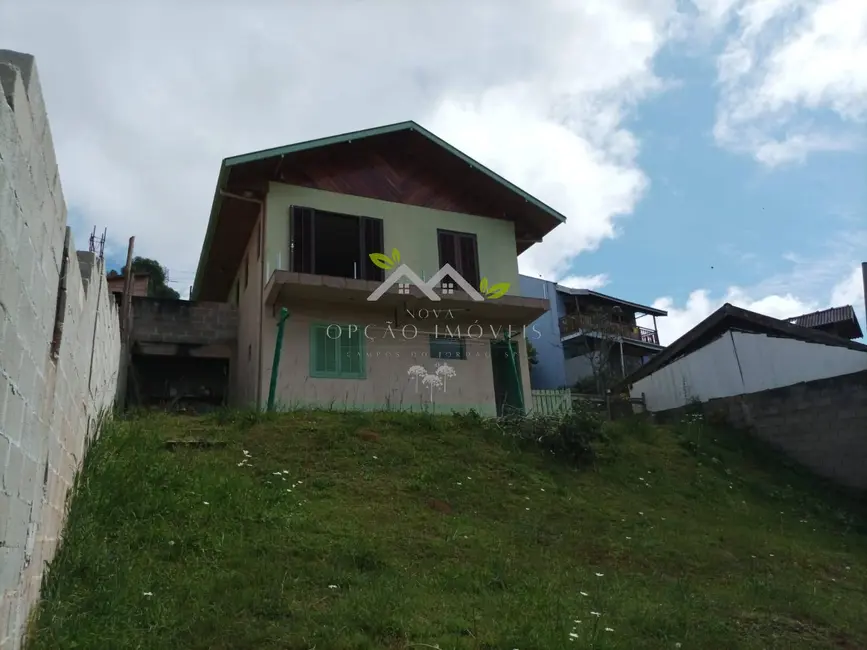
(386, 530)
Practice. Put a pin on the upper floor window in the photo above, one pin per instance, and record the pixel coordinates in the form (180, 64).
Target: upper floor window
(460, 249)
(339, 245)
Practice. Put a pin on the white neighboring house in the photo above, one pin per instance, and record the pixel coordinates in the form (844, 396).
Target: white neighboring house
(735, 352)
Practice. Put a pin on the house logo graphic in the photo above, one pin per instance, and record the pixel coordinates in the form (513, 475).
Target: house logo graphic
(446, 280)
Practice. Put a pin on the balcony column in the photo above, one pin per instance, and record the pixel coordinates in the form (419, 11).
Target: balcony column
(655, 331)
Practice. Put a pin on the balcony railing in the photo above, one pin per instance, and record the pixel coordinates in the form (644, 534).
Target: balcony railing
(584, 323)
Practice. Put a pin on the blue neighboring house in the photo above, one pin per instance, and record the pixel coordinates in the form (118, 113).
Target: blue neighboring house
(565, 340)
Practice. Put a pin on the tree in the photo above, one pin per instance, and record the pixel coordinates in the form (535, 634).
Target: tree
(602, 337)
(157, 287)
(532, 354)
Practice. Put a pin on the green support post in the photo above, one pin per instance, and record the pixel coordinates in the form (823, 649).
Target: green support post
(515, 370)
(278, 346)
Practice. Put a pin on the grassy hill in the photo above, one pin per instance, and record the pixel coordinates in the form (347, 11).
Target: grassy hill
(347, 530)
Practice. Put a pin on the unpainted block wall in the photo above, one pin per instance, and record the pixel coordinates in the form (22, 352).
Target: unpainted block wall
(49, 403)
(160, 320)
(821, 424)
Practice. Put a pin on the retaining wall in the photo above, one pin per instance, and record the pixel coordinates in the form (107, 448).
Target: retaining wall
(59, 346)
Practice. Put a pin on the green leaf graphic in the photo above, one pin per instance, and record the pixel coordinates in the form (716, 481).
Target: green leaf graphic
(497, 290)
(395, 255)
(382, 260)
(483, 286)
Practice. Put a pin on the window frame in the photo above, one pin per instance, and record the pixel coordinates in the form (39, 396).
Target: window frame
(340, 373)
(305, 225)
(457, 237)
(461, 341)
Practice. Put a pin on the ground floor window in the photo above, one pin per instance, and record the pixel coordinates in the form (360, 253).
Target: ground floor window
(337, 351)
(447, 348)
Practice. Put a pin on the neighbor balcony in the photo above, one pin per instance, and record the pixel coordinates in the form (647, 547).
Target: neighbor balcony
(582, 323)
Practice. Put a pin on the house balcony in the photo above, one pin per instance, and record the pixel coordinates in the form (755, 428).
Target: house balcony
(290, 289)
(581, 323)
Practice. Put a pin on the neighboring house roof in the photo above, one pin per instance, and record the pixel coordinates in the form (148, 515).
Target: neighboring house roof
(634, 305)
(842, 317)
(727, 318)
(114, 275)
(479, 186)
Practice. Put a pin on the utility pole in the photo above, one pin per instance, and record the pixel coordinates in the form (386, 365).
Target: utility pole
(127, 289)
(864, 284)
(126, 300)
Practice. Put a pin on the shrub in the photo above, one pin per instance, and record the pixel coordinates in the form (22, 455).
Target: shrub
(574, 437)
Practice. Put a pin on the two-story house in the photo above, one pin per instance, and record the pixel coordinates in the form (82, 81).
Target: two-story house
(584, 333)
(318, 227)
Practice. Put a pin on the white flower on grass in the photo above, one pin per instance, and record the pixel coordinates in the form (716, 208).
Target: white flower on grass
(584, 593)
(595, 614)
(147, 593)
(432, 381)
(206, 503)
(609, 629)
(599, 575)
(445, 371)
(416, 372)
(332, 586)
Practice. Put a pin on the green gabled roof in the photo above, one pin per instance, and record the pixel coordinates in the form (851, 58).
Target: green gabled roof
(340, 139)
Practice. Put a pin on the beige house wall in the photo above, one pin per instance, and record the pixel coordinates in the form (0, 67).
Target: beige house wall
(244, 388)
(409, 228)
(388, 357)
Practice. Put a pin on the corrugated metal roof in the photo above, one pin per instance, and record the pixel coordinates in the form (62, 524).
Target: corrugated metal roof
(829, 317)
(728, 317)
(825, 317)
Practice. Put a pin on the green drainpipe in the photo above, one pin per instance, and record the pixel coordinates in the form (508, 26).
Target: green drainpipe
(278, 346)
(515, 370)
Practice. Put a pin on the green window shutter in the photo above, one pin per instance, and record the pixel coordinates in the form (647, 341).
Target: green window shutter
(352, 353)
(336, 356)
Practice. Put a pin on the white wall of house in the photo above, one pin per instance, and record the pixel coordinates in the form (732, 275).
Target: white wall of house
(739, 363)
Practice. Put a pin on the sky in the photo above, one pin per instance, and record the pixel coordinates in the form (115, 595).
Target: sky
(703, 151)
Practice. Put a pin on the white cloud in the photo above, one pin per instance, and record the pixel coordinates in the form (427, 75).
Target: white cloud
(848, 289)
(146, 99)
(785, 67)
(700, 305)
(591, 282)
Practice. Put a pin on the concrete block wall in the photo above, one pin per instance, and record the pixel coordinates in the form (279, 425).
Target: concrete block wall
(54, 381)
(822, 424)
(159, 320)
